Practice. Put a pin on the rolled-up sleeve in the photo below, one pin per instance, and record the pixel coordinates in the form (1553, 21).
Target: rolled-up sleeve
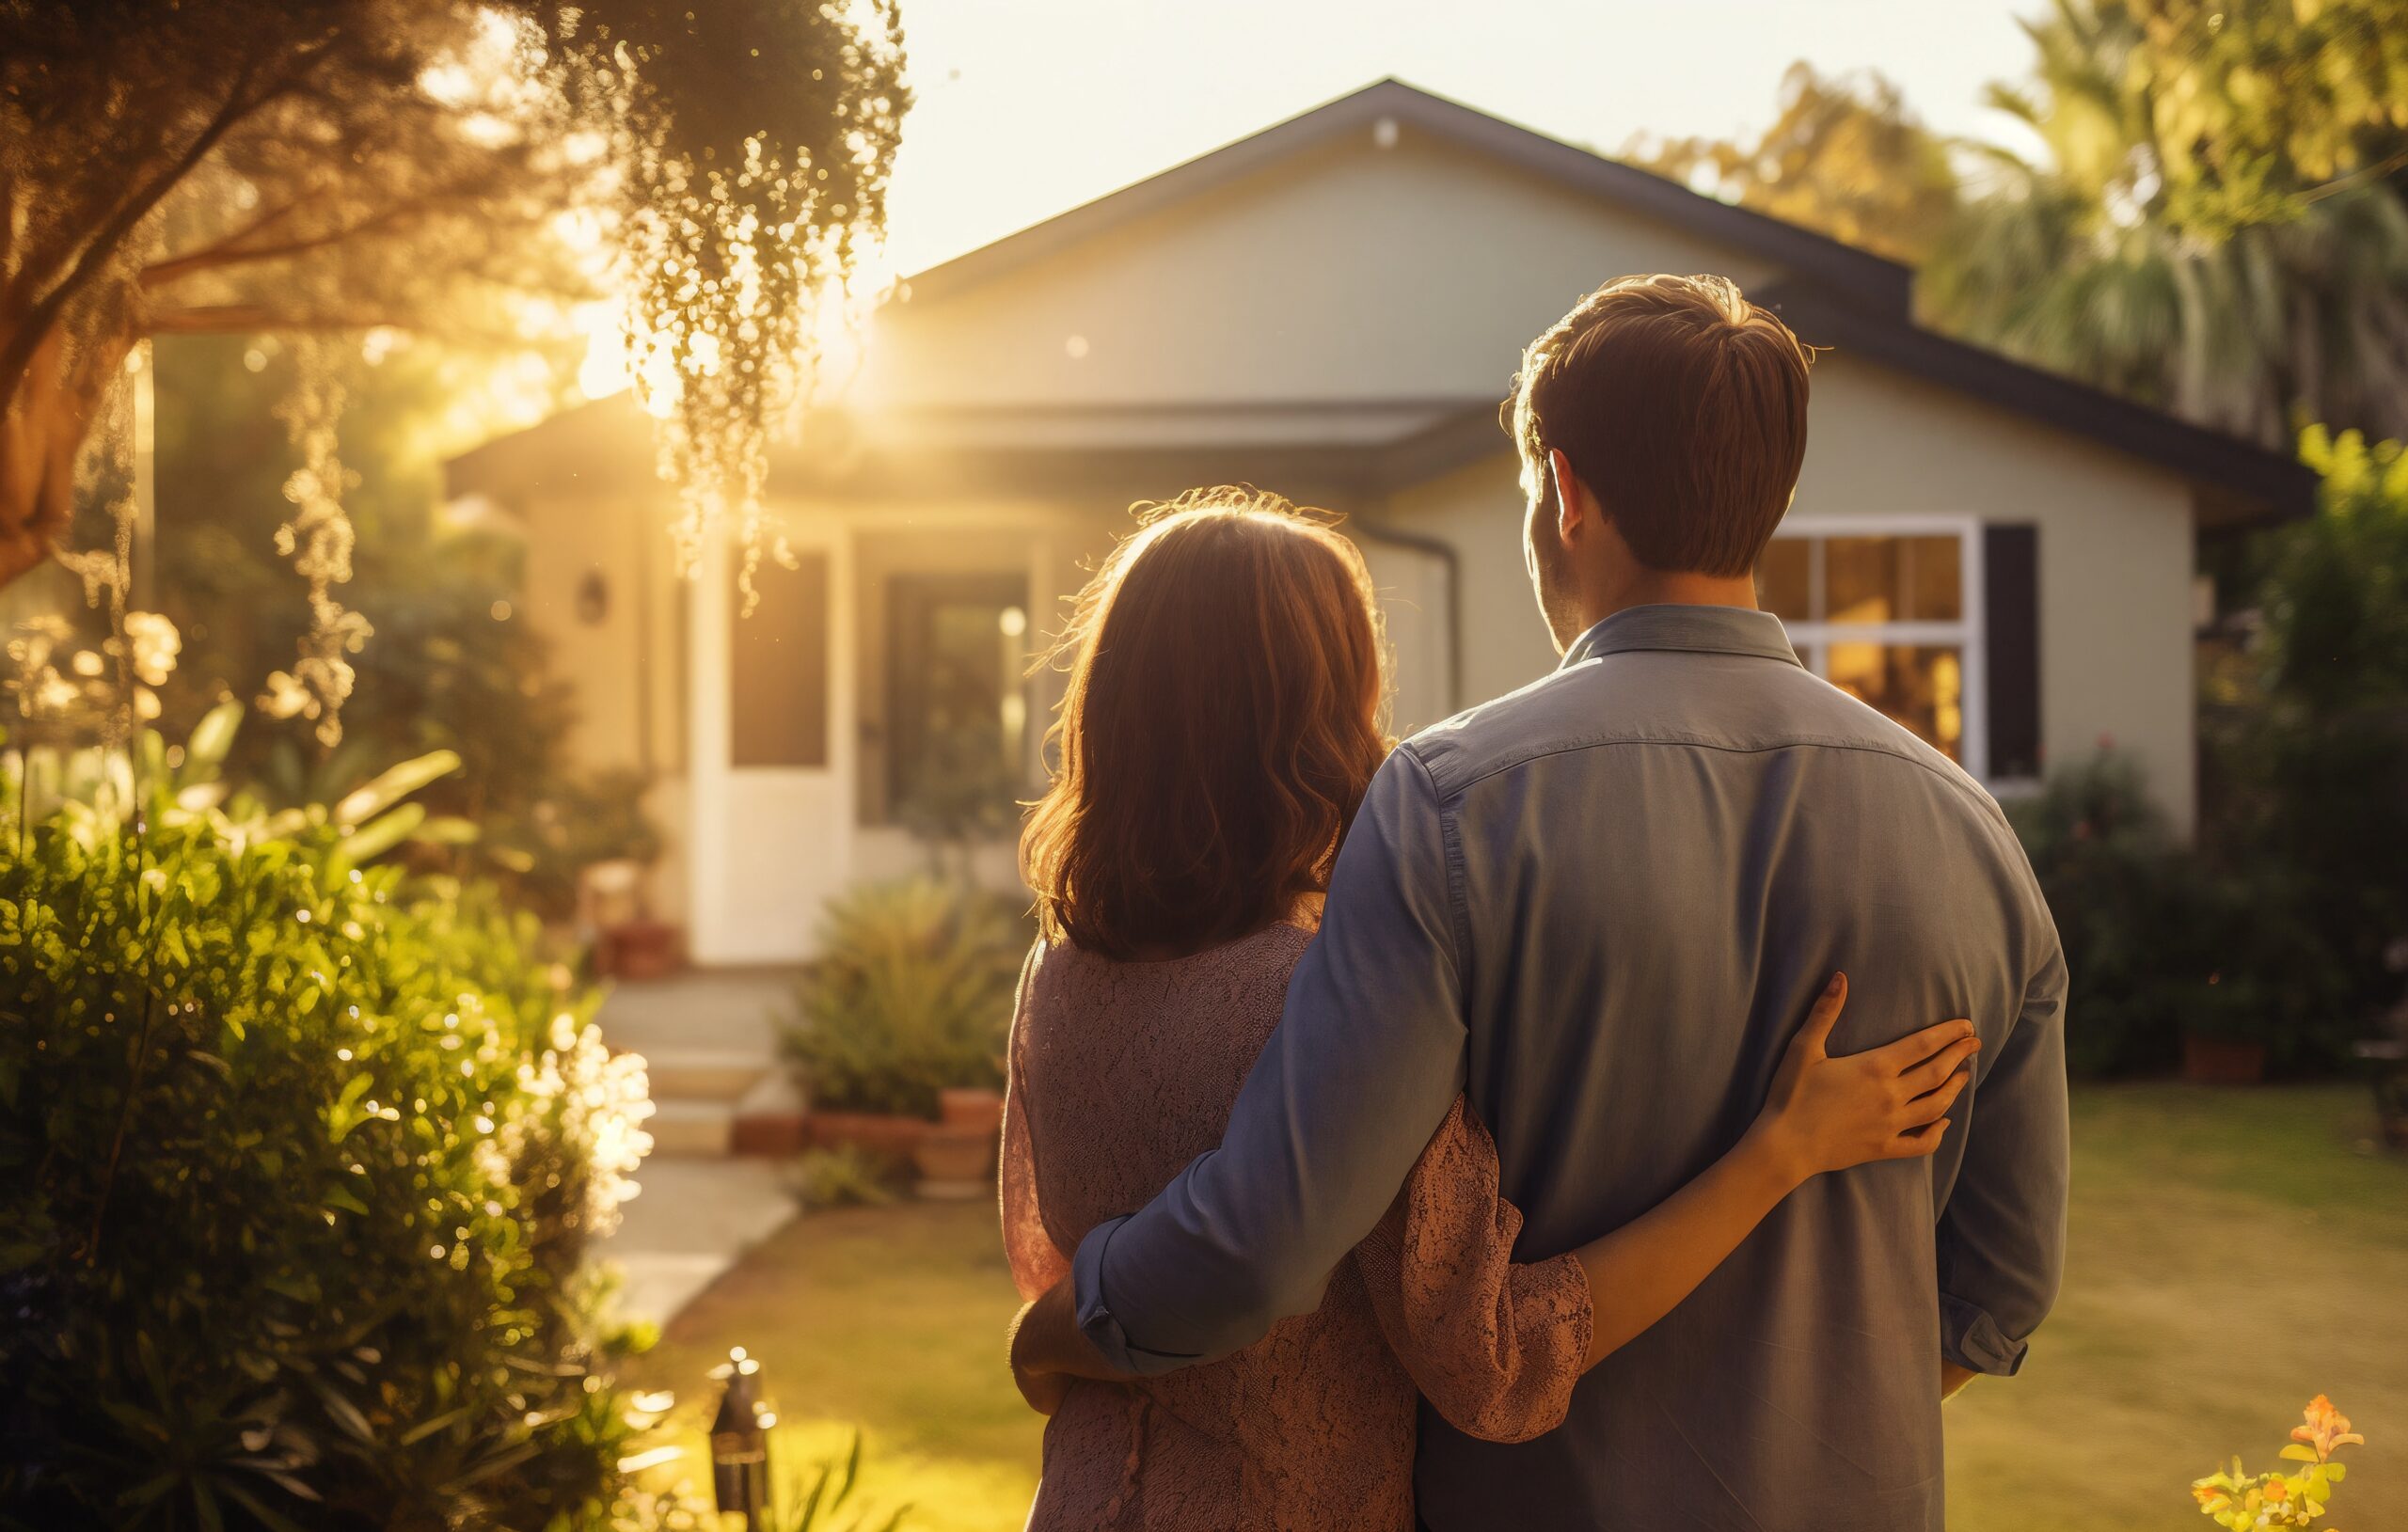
(1365, 1064)
(2001, 1237)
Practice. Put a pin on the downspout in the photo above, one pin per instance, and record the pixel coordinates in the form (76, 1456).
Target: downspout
(1445, 553)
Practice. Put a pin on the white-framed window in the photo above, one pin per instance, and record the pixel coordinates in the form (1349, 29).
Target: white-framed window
(1888, 608)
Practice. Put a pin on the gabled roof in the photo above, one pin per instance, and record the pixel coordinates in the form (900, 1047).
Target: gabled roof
(1832, 294)
(1847, 272)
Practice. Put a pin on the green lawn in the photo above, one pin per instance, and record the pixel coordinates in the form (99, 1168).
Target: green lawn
(2233, 1253)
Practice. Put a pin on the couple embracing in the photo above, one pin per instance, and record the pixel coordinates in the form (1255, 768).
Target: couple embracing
(1635, 1102)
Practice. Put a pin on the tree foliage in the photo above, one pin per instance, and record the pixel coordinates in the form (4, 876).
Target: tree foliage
(1845, 157)
(2214, 225)
(2211, 230)
(455, 665)
(311, 165)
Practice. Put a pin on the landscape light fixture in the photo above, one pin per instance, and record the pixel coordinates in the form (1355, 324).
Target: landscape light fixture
(741, 1441)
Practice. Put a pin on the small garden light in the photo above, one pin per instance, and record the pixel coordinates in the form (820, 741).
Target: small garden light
(741, 1441)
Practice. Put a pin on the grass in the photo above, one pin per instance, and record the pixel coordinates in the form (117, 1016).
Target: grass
(891, 1318)
(2233, 1253)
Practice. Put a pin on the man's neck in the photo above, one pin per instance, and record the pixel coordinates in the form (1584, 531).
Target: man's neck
(1665, 588)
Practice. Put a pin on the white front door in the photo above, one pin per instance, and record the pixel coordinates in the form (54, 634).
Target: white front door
(773, 751)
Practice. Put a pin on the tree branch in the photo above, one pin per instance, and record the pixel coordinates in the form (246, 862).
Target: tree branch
(231, 252)
(252, 231)
(17, 350)
(2357, 178)
(254, 318)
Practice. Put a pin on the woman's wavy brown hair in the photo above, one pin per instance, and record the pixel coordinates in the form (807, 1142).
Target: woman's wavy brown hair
(1220, 724)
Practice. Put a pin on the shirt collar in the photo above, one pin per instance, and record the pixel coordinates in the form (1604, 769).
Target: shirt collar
(1712, 630)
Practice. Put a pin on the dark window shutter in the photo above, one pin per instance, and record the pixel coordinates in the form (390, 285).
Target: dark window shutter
(2011, 639)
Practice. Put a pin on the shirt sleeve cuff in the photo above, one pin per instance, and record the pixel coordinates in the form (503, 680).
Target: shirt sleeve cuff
(1096, 1318)
(1971, 1338)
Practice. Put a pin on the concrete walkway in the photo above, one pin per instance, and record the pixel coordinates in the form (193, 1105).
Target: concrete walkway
(694, 1220)
(709, 1036)
(705, 1010)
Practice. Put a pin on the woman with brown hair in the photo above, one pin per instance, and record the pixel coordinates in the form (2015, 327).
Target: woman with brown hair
(1221, 722)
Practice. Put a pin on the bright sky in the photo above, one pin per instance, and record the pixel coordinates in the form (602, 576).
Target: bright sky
(1028, 107)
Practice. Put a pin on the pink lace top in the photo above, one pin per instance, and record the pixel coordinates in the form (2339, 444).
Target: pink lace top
(1120, 1073)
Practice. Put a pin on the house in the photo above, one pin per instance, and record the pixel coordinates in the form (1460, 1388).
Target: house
(2002, 560)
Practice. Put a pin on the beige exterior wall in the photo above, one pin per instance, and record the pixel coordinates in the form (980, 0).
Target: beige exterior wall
(1352, 272)
(1479, 510)
(2116, 551)
(627, 667)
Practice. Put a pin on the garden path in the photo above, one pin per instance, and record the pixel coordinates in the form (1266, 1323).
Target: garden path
(709, 1040)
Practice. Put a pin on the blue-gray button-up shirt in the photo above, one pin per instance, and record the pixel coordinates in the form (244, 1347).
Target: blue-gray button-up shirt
(1600, 906)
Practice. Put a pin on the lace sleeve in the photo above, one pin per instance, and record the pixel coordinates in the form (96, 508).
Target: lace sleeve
(1036, 1262)
(1495, 1347)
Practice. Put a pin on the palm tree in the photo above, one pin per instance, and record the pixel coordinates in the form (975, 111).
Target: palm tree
(2089, 263)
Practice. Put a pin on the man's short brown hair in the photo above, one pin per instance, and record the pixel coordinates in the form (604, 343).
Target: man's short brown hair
(1680, 405)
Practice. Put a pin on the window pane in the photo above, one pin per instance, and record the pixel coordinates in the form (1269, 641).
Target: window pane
(1932, 580)
(1783, 578)
(958, 713)
(1860, 579)
(1922, 686)
(1893, 579)
(778, 667)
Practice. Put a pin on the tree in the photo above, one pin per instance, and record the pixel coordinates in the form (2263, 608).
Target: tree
(455, 665)
(1845, 158)
(308, 165)
(2216, 227)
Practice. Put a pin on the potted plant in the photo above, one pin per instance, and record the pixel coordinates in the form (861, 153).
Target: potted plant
(898, 1040)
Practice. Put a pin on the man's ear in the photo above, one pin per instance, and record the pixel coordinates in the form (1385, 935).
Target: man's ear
(1574, 506)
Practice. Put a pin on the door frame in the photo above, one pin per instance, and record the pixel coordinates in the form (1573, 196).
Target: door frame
(798, 819)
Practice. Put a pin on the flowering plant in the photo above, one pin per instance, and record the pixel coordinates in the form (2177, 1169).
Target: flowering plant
(2242, 1501)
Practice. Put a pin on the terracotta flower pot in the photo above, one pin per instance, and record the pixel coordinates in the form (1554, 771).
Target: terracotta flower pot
(871, 1130)
(2221, 1060)
(639, 949)
(955, 1163)
(972, 1107)
(770, 1135)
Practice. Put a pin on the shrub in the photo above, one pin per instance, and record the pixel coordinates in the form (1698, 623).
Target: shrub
(2158, 941)
(2305, 735)
(847, 1175)
(298, 1161)
(911, 993)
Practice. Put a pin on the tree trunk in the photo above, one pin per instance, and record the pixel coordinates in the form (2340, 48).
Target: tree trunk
(41, 433)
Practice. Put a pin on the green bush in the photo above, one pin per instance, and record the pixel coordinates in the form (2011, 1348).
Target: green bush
(847, 1175)
(2161, 940)
(2307, 735)
(298, 1161)
(911, 993)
